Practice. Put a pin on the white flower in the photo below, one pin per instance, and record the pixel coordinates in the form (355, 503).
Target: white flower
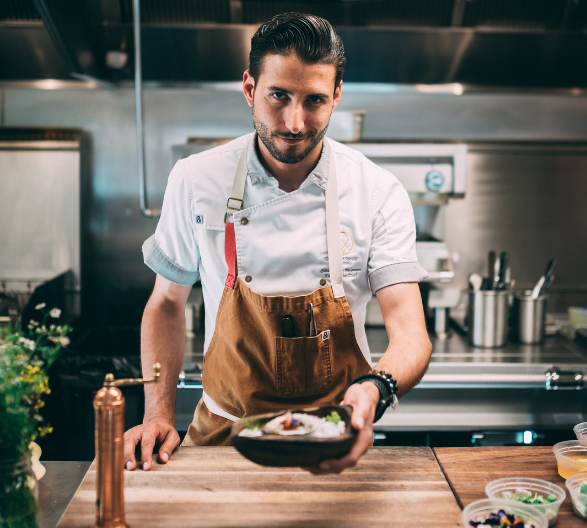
(55, 313)
(63, 341)
(40, 306)
(33, 323)
(28, 343)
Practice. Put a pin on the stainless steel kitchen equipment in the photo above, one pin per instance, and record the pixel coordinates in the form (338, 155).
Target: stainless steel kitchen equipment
(40, 182)
(386, 41)
(488, 318)
(529, 317)
(431, 174)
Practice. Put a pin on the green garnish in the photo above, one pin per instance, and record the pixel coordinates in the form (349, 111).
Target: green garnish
(583, 489)
(537, 499)
(252, 425)
(333, 417)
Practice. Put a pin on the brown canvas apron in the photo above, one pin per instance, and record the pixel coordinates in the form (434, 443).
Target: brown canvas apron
(249, 368)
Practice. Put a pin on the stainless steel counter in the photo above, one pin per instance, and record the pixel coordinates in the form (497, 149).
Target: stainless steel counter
(57, 488)
(465, 388)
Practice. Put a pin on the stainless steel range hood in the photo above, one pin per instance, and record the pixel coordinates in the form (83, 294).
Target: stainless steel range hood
(526, 43)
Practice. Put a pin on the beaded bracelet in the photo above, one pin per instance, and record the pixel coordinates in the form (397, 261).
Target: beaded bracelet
(387, 386)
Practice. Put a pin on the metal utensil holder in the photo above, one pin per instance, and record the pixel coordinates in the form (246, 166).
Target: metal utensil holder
(488, 318)
(529, 317)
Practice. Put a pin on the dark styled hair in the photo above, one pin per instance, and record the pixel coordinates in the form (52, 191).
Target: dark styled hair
(310, 37)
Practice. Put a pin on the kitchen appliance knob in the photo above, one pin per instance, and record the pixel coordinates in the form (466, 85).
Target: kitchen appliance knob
(434, 180)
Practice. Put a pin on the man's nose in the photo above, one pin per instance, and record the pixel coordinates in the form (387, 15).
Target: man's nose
(294, 118)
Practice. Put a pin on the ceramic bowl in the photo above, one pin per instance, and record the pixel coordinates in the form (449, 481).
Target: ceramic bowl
(293, 451)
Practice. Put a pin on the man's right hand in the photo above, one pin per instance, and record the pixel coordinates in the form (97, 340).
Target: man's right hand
(149, 435)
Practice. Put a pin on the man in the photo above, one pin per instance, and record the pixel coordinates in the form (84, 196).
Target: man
(290, 234)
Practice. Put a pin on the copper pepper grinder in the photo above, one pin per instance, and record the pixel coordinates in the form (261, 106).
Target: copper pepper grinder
(109, 436)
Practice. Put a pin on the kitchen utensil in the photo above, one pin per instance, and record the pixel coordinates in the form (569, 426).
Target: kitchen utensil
(488, 318)
(287, 327)
(488, 281)
(529, 317)
(501, 276)
(508, 487)
(109, 432)
(312, 323)
(545, 279)
(476, 281)
(293, 451)
(484, 507)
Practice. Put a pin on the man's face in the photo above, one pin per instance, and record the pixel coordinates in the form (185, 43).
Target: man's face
(292, 103)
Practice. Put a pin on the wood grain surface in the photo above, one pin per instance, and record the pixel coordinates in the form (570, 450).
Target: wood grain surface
(215, 486)
(470, 469)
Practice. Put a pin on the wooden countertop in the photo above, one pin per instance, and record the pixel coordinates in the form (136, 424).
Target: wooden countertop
(215, 486)
(469, 469)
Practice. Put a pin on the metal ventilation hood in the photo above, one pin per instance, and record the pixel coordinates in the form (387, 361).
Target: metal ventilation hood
(491, 43)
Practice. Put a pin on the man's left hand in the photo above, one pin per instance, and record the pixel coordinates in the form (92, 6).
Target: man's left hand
(363, 398)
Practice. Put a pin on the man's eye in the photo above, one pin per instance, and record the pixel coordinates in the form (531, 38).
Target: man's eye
(278, 95)
(316, 99)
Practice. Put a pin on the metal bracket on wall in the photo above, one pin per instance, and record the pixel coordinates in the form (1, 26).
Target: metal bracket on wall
(145, 210)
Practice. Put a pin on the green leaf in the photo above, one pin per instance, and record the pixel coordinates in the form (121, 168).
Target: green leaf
(333, 417)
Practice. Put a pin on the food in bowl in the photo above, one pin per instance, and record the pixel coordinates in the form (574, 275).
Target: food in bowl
(571, 457)
(501, 513)
(542, 495)
(302, 424)
(501, 519)
(577, 486)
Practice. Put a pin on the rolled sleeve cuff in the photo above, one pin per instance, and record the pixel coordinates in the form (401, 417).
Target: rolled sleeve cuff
(395, 274)
(160, 264)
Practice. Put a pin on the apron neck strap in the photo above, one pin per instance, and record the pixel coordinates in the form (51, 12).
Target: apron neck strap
(333, 231)
(235, 203)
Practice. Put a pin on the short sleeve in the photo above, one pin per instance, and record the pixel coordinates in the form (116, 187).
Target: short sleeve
(392, 257)
(172, 251)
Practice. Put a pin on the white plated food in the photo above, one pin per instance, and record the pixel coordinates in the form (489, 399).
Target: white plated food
(300, 424)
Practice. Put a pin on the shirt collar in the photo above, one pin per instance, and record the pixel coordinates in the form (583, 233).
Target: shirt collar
(258, 174)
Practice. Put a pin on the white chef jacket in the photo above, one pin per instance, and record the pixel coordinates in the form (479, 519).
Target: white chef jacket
(286, 253)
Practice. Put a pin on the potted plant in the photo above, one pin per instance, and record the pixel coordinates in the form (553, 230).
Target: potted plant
(25, 357)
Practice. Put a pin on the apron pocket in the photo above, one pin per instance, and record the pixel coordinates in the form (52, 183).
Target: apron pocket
(303, 364)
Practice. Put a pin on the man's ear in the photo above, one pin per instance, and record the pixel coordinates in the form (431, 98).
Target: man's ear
(337, 95)
(248, 87)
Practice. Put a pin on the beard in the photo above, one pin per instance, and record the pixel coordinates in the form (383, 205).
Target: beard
(290, 155)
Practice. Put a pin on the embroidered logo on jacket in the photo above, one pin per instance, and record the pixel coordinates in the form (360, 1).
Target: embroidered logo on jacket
(199, 219)
(346, 242)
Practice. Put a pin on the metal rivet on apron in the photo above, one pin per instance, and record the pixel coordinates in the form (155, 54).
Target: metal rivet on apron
(322, 282)
(248, 278)
(244, 221)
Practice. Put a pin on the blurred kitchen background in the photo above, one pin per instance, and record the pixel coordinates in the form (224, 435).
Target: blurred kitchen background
(479, 105)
